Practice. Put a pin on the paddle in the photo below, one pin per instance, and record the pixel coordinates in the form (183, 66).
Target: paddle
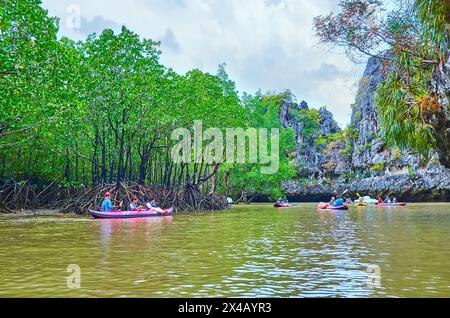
(345, 191)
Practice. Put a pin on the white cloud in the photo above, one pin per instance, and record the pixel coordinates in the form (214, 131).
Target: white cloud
(267, 44)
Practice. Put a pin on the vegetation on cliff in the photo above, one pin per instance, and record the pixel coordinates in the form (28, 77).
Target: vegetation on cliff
(413, 43)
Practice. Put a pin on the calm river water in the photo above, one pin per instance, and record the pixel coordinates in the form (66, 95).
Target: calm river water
(254, 251)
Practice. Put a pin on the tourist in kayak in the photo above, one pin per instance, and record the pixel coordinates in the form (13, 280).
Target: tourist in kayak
(387, 200)
(332, 201)
(106, 204)
(394, 200)
(153, 206)
(134, 205)
(285, 200)
(336, 202)
(379, 200)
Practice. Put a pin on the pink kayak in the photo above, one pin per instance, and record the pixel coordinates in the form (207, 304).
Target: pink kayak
(327, 206)
(128, 214)
(392, 204)
(281, 205)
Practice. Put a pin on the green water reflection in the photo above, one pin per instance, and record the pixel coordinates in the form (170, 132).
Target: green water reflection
(255, 251)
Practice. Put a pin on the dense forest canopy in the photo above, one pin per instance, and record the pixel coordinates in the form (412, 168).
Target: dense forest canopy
(102, 110)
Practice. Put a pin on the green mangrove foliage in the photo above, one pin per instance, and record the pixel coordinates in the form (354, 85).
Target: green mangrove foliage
(262, 111)
(102, 111)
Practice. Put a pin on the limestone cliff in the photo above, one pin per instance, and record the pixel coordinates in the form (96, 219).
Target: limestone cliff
(326, 162)
(312, 158)
(440, 84)
(370, 153)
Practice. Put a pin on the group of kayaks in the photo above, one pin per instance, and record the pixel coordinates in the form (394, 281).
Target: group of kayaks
(340, 204)
(169, 211)
(328, 206)
(381, 204)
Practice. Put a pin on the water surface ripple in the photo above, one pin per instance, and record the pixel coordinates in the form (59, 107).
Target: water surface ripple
(249, 251)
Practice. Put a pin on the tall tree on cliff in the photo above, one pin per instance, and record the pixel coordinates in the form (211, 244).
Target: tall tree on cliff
(413, 42)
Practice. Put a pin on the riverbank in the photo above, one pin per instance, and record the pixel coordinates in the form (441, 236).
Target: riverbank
(24, 198)
(26, 195)
(38, 212)
(422, 186)
(294, 205)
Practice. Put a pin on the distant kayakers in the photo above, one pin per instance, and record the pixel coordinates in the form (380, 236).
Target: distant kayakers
(282, 202)
(387, 200)
(106, 204)
(379, 200)
(394, 200)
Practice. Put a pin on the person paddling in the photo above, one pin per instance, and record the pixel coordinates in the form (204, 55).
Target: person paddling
(106, 204)
(336, 202)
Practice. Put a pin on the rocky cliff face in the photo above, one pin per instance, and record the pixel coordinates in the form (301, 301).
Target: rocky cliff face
(440, 84)
(288, 117)
(370, 153)
(312, 159)
(327, 124)
(368, 165)
(367, 143)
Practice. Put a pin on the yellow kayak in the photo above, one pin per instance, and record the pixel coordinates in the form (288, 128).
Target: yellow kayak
(361, 204)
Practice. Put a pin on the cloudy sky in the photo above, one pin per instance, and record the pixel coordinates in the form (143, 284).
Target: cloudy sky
(266, 44)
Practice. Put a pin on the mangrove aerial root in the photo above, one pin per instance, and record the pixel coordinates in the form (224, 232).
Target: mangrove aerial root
(23, 195)
(187, 198)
